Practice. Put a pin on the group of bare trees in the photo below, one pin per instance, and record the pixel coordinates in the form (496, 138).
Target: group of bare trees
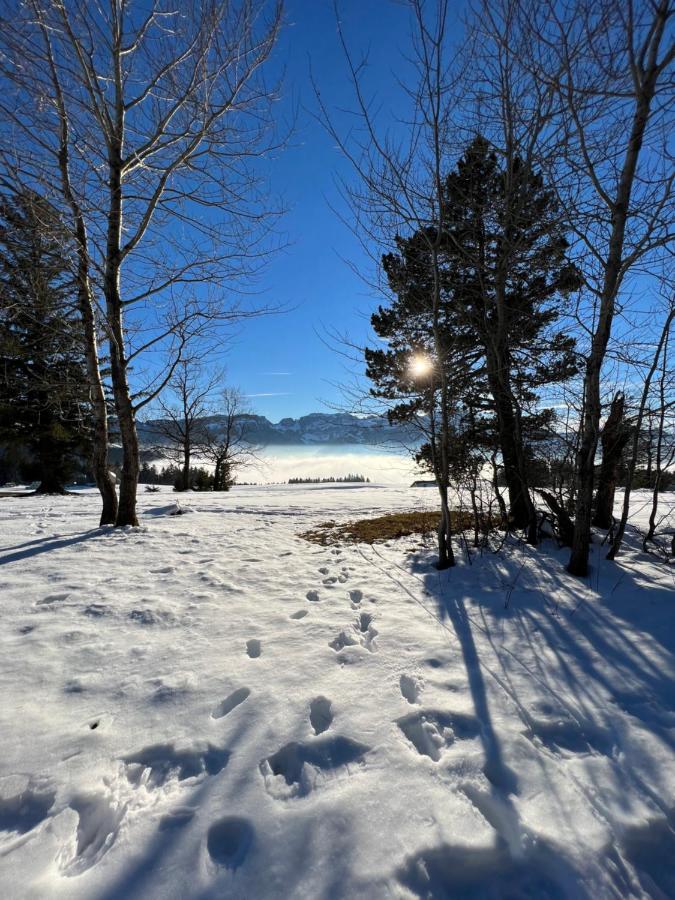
(579, 93)
(202, 421)
(142, 124)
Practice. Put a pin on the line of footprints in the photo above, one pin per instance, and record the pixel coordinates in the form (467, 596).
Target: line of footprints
(292, 772)
(362, 631)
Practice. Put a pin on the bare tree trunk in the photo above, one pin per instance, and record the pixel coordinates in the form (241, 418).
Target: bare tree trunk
(658, 473)
(618, 538)
(474, 507)
(613, 273)
(495, 484)
(99, 455)
(522, 513)
(615, 436)
(650, 442)
(186, 464)
(126, 513)
(446, 556)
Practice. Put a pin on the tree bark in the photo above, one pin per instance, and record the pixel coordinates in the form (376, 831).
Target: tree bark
(186, 465)
(495, 484)
(446, 556)
(522, 513)
(126, 513)
(615, 436)
(99, 453)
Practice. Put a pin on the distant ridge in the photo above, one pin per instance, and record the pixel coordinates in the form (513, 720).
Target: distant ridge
(315, 428)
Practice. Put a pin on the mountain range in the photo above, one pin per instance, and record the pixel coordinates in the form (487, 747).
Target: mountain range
(315, 428)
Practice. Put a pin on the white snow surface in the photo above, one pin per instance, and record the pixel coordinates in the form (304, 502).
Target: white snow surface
(208, 706)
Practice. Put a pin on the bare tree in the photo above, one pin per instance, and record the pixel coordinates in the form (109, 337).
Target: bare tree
(224, 441)
(664, 455)
(610, 66)
(167, 110)
(632, 463)
(180, 427)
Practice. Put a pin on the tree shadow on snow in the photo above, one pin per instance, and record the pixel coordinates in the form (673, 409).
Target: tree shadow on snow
(582, 655)
(44, 545)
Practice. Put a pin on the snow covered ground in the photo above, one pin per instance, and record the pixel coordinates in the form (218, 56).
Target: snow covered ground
(210, 707)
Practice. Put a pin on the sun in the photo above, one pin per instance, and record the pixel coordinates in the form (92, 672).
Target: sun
(420, 366)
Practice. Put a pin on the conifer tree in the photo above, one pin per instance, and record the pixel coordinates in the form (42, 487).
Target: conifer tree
(507, 272)
(43, 395)
(429, 372)
(503, 269)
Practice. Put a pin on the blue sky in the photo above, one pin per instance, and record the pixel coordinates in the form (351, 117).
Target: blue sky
(281, 361)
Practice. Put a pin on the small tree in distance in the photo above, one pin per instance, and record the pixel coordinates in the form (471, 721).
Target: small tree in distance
(180, 429)
(224, 442)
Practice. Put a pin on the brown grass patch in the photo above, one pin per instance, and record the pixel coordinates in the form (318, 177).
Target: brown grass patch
(385, 528)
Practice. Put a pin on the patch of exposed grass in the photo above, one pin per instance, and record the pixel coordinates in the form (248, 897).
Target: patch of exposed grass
(385, 528)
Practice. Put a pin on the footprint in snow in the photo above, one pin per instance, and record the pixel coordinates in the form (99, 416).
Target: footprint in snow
(97, 610)
(313, 596)
(299, 768)
(320, 715)
(431, 732)
(368, 633)
(363, 622)
(300, 614)
(410, 688)
(324, 570)
(231, 702)
(341, 641)
(25, 803)
(99, 820)
(229, 841)
(52, 598)
(253, 648)
(158, 764)
(356, 597)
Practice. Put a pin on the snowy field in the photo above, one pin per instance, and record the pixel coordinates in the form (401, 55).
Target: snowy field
(210, 707)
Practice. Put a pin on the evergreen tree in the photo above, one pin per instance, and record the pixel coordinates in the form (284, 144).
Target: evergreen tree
(507, 270)
(407, 372)
(43, 394)
(429, 371)
(503, 268)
